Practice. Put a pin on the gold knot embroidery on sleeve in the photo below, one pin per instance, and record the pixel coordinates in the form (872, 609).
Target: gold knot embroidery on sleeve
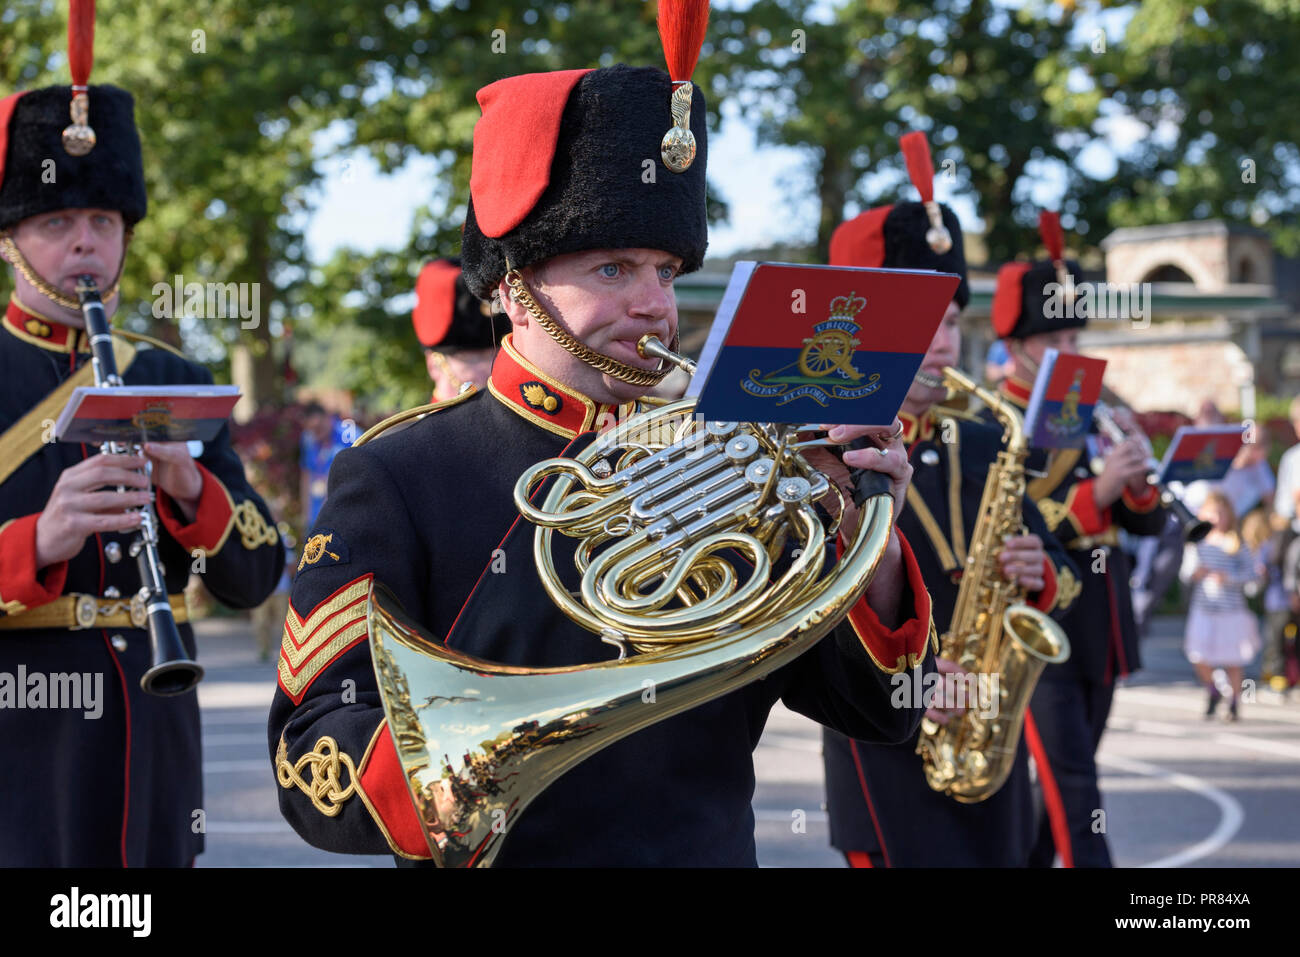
(1067, 588)
(324, 789)
(1053, 512)
(253, 530)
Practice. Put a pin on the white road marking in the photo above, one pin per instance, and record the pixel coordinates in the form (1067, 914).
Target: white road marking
(785, 817)
(227, 767)
(1231, 815)
(789, 742)
(236, 694)
(1193, 700)
(1237, 739)
(249, 827)
(233, 739)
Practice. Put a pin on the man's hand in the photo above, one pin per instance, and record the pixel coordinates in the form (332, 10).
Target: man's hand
(1021, 559)
(889, 457)
(943, 715)
(886, 588)
(1124, 465)
(85, 500)
(176, 474)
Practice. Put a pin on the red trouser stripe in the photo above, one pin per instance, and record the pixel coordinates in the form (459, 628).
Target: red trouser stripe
(1051, 793)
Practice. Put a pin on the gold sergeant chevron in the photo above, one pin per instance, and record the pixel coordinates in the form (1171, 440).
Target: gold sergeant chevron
(333, 626)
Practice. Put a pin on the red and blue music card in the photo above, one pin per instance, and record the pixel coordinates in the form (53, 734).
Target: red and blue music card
(1061, 403)
(163, 413)
(828, 344)
(1201, 452)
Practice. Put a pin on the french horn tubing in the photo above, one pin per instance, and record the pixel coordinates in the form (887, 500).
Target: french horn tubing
(700, 556)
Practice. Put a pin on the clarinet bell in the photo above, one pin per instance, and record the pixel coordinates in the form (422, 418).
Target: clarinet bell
(173, 671)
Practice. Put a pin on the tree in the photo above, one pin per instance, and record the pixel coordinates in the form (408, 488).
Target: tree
(1212, 85)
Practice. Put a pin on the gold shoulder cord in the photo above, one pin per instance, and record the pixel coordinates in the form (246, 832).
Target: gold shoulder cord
(601, 363)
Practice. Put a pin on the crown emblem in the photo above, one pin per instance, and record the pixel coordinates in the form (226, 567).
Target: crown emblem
(847, 307)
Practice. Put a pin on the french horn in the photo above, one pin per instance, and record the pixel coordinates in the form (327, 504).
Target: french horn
(700, 555)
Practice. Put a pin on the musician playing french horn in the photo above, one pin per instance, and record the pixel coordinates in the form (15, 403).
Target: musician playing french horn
(883, 810)
(1086, 512)
(99, 773)
(567, 230)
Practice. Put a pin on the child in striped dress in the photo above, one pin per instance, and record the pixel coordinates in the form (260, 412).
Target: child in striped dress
(1221, 631)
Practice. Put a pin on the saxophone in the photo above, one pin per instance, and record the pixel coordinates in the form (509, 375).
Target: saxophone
(993, 632)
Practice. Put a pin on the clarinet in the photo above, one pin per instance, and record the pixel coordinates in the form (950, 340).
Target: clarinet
(172, 671)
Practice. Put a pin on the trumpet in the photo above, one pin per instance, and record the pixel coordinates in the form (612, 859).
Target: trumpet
(172, 670)
(1194, 529)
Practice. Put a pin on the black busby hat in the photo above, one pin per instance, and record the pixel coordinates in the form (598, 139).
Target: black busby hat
(1030, 297)
(448, 316)
(924, 235)
(109, 176)
(95, 159)
(590, 177)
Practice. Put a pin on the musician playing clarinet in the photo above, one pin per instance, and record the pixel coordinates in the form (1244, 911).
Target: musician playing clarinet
(98, 772)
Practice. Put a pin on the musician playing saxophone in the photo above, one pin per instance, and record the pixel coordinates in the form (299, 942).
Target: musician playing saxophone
(1086, 512)
(584, 268)
(107, 776)
(883, 812)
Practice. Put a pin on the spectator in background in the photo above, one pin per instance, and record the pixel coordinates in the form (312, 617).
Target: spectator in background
(321, 441)
(1267, 535)
(997, 363)
(1221, 631)
(1249, 483)
(1287, 496)
(1290, 654)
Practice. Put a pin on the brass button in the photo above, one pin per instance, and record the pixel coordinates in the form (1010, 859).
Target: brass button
(118, 643)
(929, 457)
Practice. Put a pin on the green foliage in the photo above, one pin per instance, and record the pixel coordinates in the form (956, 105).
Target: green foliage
(238, 104)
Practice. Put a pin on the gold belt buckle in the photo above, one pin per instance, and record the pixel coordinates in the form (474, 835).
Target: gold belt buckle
(139, 613)
(86, 610)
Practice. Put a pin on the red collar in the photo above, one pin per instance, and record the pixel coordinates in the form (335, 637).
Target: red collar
(30, 326)
(914, 429)
(1017, 391)
(545, 401)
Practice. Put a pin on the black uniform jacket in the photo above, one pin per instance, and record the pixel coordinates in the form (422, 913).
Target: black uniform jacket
(1102, 631)
(427, 510)
(877, 795)
(114, 778)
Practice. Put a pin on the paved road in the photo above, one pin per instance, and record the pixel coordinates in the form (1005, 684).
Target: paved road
(1178, 790)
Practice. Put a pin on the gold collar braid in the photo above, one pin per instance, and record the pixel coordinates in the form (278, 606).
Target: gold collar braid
(15, 256)
(598, 361)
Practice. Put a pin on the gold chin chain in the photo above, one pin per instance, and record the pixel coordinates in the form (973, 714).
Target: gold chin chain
(15, 256)
(601, 363)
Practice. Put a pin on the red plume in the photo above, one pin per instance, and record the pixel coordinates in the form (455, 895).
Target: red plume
(681, 29)
(81, 39)
(1049, 227)
(916, 151)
